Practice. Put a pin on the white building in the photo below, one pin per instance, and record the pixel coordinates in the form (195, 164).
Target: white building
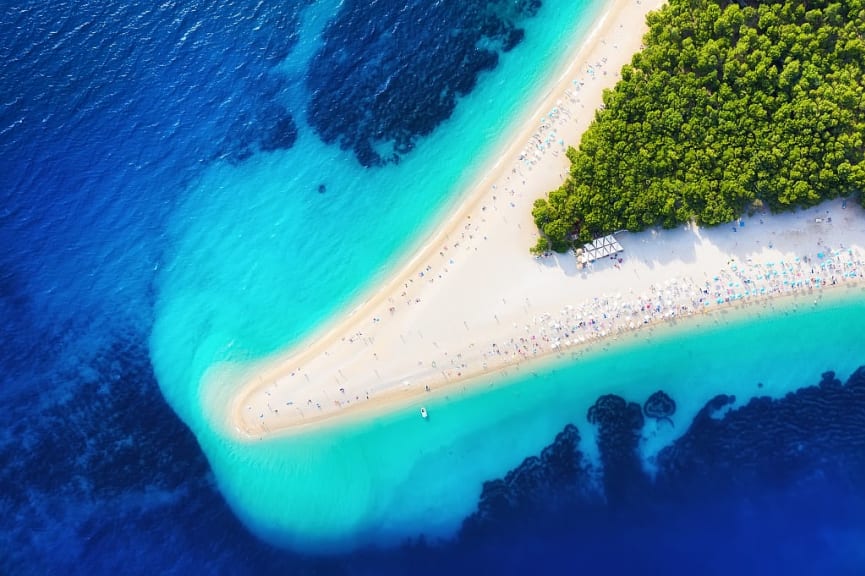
(600, 248)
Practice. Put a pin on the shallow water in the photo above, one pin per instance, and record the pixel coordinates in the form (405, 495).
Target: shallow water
(399, 475)
(262, 250)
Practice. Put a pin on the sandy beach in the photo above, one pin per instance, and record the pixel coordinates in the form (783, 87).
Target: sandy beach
(473, 301)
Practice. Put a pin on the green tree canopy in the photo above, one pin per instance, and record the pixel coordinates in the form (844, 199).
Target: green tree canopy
(728, 103)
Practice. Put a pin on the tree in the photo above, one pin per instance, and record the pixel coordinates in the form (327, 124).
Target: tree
(728, 102)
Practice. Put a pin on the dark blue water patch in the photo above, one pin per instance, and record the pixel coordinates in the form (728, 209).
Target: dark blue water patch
(15, 314)
(108, 110)
(538, 488)
(774, 486)
(93, 441)
(98, 476)
(283, 132)
(819, 430)
(620, 425)
(196, 78)
(660, 407)
(391, 71)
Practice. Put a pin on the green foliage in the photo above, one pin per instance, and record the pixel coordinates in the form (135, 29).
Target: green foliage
(540, 247)
(730, 103)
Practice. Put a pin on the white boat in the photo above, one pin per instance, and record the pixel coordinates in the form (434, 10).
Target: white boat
(423, 413)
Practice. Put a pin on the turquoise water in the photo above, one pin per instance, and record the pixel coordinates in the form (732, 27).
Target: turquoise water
(259, 257)
(395, 476)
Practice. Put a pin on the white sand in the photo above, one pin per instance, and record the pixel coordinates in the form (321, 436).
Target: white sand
(473, 300)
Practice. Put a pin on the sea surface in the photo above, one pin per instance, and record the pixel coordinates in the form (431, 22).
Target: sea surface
(190, 183)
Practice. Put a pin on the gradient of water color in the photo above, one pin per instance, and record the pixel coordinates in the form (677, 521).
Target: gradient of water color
(160, 173)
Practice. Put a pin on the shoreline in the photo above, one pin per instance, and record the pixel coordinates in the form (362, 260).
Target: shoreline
(454, 211)
(733, 311)
(396, 399)
(335, 374)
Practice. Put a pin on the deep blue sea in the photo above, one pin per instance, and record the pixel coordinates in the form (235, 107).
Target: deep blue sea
(189, 182)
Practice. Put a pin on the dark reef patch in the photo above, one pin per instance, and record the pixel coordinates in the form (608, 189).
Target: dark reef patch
(559, 471)
(389, 72)
(96, 444)
(282, 134)
(620, 424)
(15, 314)
(815, 430)
(98, 473)
(660, 407)
(735, 490)
(266, 128)
(113, 423)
